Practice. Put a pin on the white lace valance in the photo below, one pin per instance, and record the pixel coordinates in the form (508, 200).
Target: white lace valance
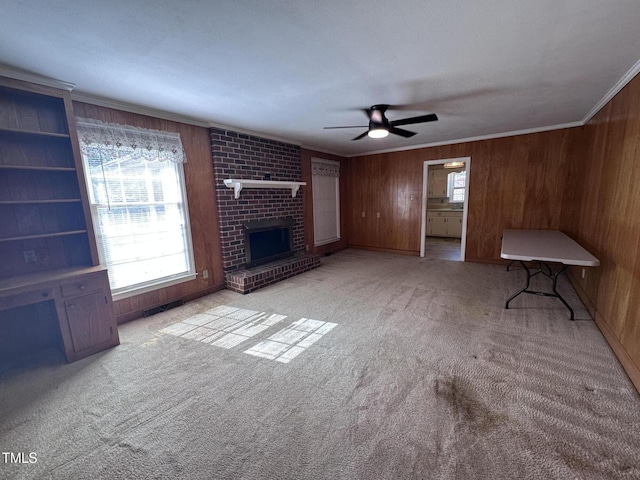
(121, 140)
(326, 168)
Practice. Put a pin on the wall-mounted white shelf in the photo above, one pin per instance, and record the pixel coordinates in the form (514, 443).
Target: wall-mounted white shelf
(238, 185)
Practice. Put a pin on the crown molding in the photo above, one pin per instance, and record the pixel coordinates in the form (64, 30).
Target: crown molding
(620, 84)
(473, 139)
(321, 150)
(254, 133)
(25, 76)
(131, 108)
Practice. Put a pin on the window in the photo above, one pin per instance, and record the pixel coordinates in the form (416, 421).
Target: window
(136, 190)
(325, 178)
(456, 182)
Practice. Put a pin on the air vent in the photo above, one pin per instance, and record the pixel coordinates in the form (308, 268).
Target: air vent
(162, 308)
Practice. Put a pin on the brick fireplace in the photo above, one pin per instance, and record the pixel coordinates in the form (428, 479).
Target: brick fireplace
(247, 157)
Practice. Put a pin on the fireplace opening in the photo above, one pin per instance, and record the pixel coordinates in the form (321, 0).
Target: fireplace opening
(268, 240)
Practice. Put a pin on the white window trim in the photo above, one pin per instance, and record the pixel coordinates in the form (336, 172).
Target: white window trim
(153, 286)
(121, 294)
(451, 189)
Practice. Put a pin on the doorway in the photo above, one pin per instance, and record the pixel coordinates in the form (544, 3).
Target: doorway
(449, 202)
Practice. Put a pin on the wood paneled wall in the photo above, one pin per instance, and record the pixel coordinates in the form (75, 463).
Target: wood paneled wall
(306, 156)
(202, 210)
(603, 214)
(515, 182)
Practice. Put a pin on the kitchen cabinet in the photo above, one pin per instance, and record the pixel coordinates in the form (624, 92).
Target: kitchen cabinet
(437, 226)
(444, 224)
(454, 226)
(437, 184)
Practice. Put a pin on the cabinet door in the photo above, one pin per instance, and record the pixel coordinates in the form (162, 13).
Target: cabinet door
(432, 182)
(89, 321)
(439, 226)
(440, 183)
(454, 226)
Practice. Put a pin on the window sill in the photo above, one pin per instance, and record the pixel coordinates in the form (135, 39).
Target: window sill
(325, 242)
(150, 287)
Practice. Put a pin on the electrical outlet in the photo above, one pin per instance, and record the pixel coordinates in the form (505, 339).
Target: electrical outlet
(205, 274)
(30, 256)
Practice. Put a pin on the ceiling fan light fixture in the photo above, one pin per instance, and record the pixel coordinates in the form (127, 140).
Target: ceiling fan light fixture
(380, 126)
(378, 132)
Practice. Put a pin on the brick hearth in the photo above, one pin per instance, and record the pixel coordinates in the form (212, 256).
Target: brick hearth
(237, 155)
(247, 280)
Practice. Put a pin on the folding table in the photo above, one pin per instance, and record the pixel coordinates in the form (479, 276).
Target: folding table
(544, 247)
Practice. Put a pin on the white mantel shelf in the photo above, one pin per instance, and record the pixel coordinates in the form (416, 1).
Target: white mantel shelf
(238, 185)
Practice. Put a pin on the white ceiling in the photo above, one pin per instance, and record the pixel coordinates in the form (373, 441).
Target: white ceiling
(288, 68)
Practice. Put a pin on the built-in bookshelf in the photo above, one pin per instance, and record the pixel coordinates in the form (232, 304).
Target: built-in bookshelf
(49, 266)
(44, 224)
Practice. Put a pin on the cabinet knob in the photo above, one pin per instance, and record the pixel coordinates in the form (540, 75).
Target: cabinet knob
(45, 294)
(82, 287)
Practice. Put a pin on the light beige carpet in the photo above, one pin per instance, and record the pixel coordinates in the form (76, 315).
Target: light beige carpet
(423, 376)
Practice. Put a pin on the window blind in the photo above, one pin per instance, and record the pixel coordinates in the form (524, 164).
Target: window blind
(326, 200)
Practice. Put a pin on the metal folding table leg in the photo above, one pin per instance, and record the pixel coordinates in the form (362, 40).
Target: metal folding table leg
(551, 275)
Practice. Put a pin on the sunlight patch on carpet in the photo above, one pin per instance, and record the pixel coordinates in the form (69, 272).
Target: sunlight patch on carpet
(224, 326)
(287, 344)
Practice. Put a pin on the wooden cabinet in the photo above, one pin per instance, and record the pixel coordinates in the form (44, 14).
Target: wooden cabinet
(47, 245)
(82, 301)
(87, 308)
(437, 183)
(444, 224)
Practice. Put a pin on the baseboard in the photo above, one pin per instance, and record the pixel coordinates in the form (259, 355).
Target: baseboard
(590, 306)
(135, 314)
(491, 261)
(625, 360)
(330, 248)
(386, 250)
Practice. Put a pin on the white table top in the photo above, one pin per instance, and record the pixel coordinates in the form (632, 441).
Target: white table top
(544, 246)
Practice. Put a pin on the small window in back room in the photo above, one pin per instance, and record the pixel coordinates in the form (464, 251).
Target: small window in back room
(136, 187)
(456, 182)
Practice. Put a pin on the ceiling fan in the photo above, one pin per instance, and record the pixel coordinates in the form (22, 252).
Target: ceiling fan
(380, 126)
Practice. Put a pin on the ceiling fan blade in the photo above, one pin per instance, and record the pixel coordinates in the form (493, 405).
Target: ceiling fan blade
(362, 135)
(401, 132)
(432, 117)
(350, 126)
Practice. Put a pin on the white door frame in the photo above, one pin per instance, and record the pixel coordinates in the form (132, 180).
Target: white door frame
(465, 208)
